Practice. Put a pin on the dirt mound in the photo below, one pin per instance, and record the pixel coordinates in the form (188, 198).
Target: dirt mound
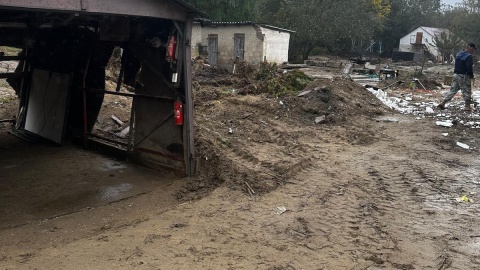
(8, 102)
(261, 141)
(338, 100)
(202, 70)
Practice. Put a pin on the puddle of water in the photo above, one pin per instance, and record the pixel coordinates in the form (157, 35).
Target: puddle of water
(10, 166)
(114, 192)
(388, 119)
(111, 165)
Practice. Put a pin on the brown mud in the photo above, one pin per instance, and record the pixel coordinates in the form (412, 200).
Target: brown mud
(275, 190)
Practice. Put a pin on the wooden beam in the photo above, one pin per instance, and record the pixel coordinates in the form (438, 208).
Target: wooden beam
(11, 58)
(10, 75)
(129, 94)
(166, 9)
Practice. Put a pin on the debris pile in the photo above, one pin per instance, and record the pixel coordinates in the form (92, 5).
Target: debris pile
(422, 103)
(246, 133)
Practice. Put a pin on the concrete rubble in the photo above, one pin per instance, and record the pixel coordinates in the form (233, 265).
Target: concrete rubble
(424, 109)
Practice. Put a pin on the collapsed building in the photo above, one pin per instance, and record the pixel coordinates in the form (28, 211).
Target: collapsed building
(60, 79)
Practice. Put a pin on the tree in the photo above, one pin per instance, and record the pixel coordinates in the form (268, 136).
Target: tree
(472, 6)
(330, 24)
(227, 10)
(405, 16)
(462, 21)
(447, 43)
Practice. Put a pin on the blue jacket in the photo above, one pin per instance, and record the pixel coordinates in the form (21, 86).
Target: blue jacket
(464, 63)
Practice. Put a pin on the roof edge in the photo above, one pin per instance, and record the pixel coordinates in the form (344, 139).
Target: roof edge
(191, 8)
(212, 23)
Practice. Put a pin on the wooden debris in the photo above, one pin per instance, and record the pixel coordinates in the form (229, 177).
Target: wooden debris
(117, 120)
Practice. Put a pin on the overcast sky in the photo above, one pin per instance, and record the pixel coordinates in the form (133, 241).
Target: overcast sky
(451, 2)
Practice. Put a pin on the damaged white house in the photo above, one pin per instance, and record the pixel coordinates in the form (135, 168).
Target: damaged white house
(223, 42)
(421, 40)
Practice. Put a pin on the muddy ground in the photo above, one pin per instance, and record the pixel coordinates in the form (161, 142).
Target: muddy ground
(366, 187)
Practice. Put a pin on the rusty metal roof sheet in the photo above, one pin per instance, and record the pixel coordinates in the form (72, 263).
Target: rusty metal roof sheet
(172, 9)
(240, 23)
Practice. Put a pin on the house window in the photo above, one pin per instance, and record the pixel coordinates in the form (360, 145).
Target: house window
(412, 39)
(239, 46)
(212, 49)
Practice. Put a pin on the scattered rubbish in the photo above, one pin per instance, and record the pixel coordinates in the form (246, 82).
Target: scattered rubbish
(445, 134)
(250, 190)
(362, 75)
(263, 122)
(426, 109)
(444, 123)
(415, 81)
(230, 131)
(370, 66)
(281, 102)
(124, 133)
(387, 119)
(178, 225)
(464, 198)
(381, 94)
(117, 120)
(320, 119)
(8, 121)
(464, 146)
(304, 93)
(281, 210)
(395, 83)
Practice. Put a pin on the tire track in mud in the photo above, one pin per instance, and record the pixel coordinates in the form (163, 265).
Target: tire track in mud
(281, 156)
(356, 206)
(425, 209)
(376, 208)
(260, 148)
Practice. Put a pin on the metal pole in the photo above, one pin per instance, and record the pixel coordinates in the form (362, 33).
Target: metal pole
(189, 128)
(84, 89)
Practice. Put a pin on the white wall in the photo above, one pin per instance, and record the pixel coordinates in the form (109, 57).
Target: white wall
(276, 45)
(260, 43)
(196, 39)
(427, 39)
(253, 45)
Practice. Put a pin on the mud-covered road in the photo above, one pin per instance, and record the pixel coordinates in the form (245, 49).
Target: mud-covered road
(389, 205)
(367, 188)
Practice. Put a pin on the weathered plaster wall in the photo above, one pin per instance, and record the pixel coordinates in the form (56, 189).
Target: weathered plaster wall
(276, 45)
(253, 42)
(196, 39)
(405, 45)
(427, 39)
(260, 43)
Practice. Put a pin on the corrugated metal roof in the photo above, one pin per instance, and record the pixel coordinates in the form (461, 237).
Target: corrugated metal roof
(210, 23)
(433, 31)
(191, 8)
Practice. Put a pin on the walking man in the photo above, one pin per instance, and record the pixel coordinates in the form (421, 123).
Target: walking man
(462, 77)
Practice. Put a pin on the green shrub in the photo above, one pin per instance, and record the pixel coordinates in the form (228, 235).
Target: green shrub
(266, 71)
(285, 84)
